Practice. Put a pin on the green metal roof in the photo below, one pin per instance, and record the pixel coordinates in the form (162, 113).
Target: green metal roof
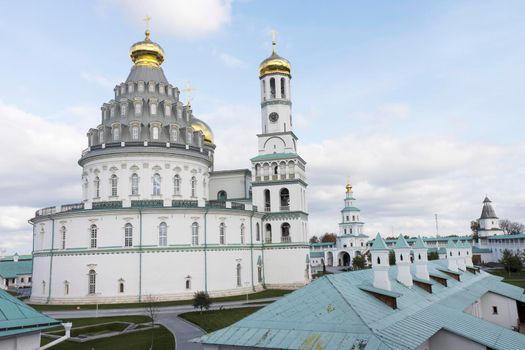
(419, 243)
(274, 156)
(350, 209)
(361, 235)
(379, 243)
(521, 235)
(478, 250)
(20, 257)
(316, 254)
(321, 244)
(17, 317)
(11, 269)
(337, 312)
(401, 242)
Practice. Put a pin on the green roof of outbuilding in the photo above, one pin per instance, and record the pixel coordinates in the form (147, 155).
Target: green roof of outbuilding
(20, 257)
(521, 235)
(419, 243)
(316, 254)
(338, 312)
(451, 244)
(11, 269)
(379, 243)
(477, 250)
(401, 242)
(17, 317)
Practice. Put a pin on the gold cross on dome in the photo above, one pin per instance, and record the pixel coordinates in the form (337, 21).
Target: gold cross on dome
(147, 19)
(188, 91)
(274, 42)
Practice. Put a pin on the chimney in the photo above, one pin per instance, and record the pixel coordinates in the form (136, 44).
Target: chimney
(452, 261)
(421, 258)
(462, 254)
(468, 252)
(402, 251)
(380, 263)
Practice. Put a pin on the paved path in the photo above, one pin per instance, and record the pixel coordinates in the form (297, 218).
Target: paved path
(182, 330)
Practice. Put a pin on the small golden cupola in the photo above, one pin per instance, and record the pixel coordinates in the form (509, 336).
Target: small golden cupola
(147, 53)
(275, 63)
(199, 125)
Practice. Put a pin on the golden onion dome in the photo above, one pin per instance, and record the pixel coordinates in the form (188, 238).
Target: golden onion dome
(146, 53)
(275, 64)
(348, 186)
(199, 125)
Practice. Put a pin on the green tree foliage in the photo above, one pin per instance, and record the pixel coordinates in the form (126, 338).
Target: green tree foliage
(201, 300)
(432, 256)
(511, 261)
(314, 239)
(359, 262)
(511, 227)
(392, 258)
(328, 237)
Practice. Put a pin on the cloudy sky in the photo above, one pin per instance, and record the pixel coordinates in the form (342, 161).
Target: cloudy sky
(419, 102)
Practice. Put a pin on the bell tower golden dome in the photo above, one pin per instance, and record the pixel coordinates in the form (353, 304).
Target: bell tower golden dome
(275, 63)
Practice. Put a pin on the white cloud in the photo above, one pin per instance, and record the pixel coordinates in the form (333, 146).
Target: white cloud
(99, 79)
(232, 61)
(179, 18)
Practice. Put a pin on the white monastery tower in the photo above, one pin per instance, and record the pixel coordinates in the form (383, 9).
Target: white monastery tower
(279, 179)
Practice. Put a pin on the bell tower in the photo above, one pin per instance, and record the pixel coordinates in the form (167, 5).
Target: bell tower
(278, 173)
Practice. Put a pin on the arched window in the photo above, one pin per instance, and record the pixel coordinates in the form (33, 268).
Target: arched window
(43, 287)
(121, 286)
(272, 88)
(134, 185)
(285, 232)
(163, 234)
(63, 237)
(116, 133)
(101, 136)
(222, 196)
(419, 257)
(176, 185)
(401, 257)
(283, 91)
(285, 199)
(96, 185)
(267, 202)
(259, 273)
(174, 134)
(268, 233)
(257, 232)
(188, 282)
(195, 233)
(378, 260)
(239, 279)
(92, 282)
(222, 233)
(193, 186)
(276, 170)
(66, 288)
(114, 185)
(135, 133)
(242, 233)
(156, 185)
(257, 170)
(155, 132)
(93, 236)
(128, 235)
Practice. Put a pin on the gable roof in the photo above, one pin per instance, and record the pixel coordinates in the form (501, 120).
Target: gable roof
(379, 243)
(11, 269)
(335, 312)
(17, 317)
(401, 242)
(419, 243)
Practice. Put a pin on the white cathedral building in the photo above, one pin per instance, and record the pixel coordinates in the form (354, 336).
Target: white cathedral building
(156, 219)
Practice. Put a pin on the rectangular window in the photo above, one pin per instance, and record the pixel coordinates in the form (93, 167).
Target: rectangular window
(153, 108)
(151, 87)
(123, 110)
(135, 133)
(116, 134)
(494, 310)
(121, 287)
(141, 86)
(167, 110)
(138, 108)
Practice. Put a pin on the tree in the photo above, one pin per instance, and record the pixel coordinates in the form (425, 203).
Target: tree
(432, 256)
(511, 227)
(152, 310)
(359, 262)
(511, 261)
(392, 258)
(474, 227)
(201, 300)
(328, 237)
(314, 239)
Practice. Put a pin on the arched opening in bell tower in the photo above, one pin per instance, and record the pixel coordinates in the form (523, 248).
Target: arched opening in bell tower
(283, 90)
(268, 233)
(267, 203)
(285, 233)
(272, 87)
(285, 199)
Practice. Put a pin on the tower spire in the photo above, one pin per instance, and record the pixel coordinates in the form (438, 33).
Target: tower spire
(274, 41)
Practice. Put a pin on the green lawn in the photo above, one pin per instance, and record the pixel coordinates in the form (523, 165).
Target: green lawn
(132, 341)
(268, 293)
(515, 278)
(216, 319)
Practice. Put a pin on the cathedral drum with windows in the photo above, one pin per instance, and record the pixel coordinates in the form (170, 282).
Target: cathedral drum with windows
(157, 220)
